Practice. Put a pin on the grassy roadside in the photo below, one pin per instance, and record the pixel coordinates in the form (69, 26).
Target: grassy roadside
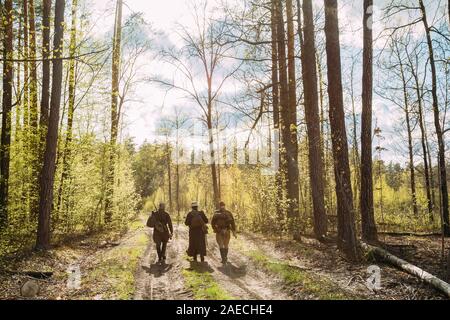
(312, 284)
(115, 270)
(112, 275)
(107, 263)
(203, 285)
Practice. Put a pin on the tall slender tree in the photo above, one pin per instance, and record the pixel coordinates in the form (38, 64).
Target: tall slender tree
(413, 66)
(368, 226)
(8, 78)
(33, 95)
(287, 149)
(45, 95)
(117, 46)
(407, 108)
(316, 173)
(276, 96)
(71, 104)
(47, 176)
(437, 124)
(346, 216)
(293, 184)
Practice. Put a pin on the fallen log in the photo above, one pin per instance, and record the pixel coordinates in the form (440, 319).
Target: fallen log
(33, 274)
(409, 268)
(409, 234)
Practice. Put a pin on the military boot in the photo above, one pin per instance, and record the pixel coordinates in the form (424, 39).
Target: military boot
(225, 255)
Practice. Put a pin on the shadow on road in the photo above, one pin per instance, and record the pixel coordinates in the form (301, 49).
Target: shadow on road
(201, 267)
(233, 271)
(157, 270)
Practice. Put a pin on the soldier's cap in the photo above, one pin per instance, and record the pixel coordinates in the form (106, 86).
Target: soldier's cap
(194, 204)
(222, 204)
(162, 205)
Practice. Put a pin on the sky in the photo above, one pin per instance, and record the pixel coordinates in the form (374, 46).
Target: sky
(151, 103)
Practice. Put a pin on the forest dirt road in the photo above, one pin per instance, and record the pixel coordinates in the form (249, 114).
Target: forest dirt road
(239, 280)
(266, 269)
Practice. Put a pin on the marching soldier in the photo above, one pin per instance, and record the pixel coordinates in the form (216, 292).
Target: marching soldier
(196, 221)
(161, 223)
(223, 225)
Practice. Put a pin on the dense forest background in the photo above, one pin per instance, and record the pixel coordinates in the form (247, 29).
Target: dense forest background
(70, 167)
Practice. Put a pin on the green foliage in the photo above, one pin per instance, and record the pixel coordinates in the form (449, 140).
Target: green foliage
(394, 177)
(149, 168)
(80, 210)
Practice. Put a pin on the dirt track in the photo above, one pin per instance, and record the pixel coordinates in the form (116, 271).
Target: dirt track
(239, 279)
(245, 280)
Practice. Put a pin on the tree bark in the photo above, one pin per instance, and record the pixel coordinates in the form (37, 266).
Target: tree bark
(33, 73)
(423, 139)
(316, 171)
(293, 172)
(47, 176)
(346, 216)
(437, 124)
(67, 152)
(8, 78)
(117, 43)
(286, 150)
(34, 129)
(45, 98)
(276, 100)
(26, 82)
(368, 226)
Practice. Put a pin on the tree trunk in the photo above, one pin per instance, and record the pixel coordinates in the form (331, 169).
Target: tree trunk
(34, 129)
(45, 98)
(47, 176)
(276, 101)
(33, 74)
(409, 268)
(169, 173)
(437, 124)
(67, 154)
(316, 172)
(346, 216)
(18, 124)
(292, 152)
(423, 135)
(368, 225)
(212, 154)
(411, 153)
(285, 121)
(408, 128)
(117, 43)
(433, 193)
(356, 160)
(8, 78)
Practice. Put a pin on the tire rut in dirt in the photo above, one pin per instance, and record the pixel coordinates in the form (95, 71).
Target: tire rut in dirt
(240, 278)
(162, 282)
(239, 271)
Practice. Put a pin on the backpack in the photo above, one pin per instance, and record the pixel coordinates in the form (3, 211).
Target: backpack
(198, 222)
(151, 221)
(223, 220)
